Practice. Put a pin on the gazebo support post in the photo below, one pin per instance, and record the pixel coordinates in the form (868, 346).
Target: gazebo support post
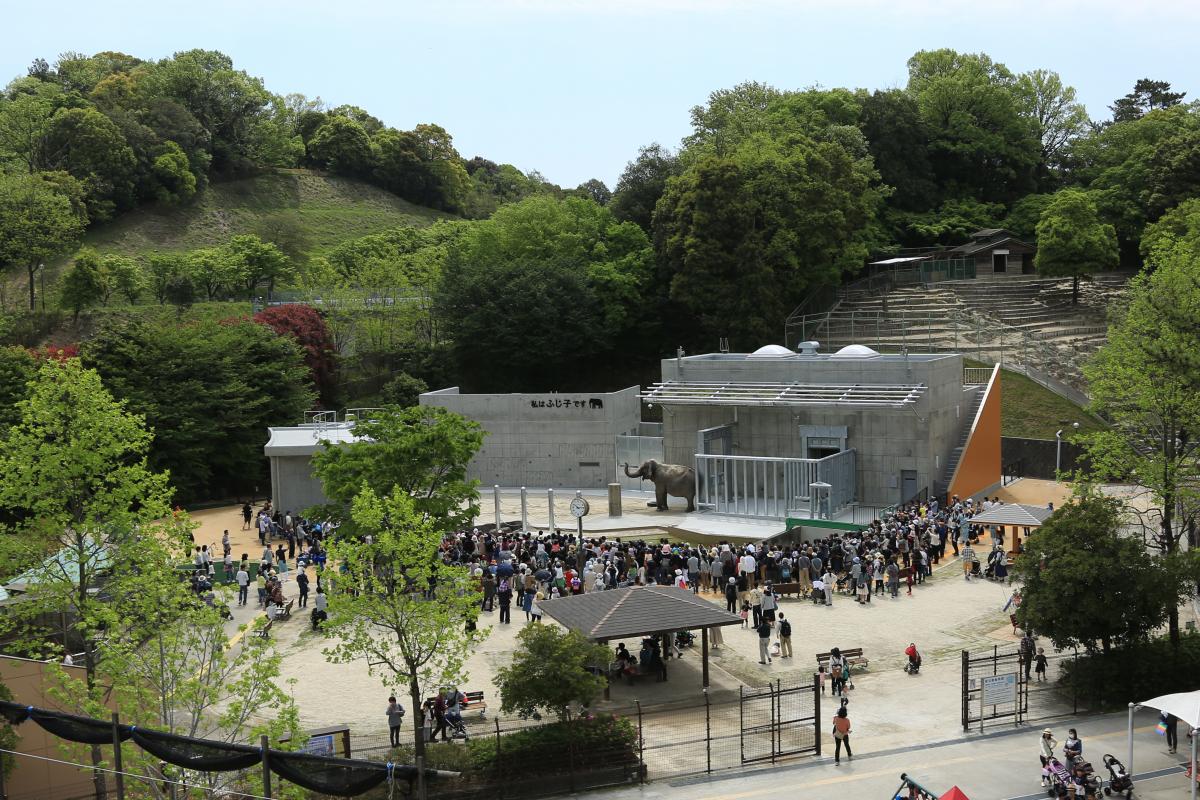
(1193, 777)
(704, 655)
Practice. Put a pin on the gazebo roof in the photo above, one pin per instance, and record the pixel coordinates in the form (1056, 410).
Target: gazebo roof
(636, 611)
(1017, 514)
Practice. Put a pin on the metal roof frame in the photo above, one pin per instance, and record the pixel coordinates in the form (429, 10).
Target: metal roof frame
(854, 395)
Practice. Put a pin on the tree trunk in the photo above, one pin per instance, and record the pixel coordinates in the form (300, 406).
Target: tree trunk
(1075, 290)
(32, 269)
(414, 692)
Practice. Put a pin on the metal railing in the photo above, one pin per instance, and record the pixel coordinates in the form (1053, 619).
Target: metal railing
(1052, 363)
(976, 376)
(773, 488)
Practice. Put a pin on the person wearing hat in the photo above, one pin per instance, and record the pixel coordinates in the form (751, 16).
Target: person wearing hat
(1046, 747)
(731, 595)
(680, 580)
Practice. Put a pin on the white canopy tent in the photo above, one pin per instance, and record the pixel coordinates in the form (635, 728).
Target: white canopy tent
(1185, 706)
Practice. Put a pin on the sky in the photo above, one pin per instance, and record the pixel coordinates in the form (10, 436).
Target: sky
(572, 88)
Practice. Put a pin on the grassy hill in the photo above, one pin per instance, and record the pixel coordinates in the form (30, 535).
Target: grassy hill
(1029, 410)
(307, 213)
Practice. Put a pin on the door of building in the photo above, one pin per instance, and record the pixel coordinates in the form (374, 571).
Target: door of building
(908, 485)
(999, 262)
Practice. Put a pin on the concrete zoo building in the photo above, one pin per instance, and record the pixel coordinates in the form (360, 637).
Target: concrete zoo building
(773, 434)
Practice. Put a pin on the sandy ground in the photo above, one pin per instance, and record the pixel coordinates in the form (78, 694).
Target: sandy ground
(943, 617)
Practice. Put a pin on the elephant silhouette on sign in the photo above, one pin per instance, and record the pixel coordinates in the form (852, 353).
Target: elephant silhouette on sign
(669, 479)
(595, 402)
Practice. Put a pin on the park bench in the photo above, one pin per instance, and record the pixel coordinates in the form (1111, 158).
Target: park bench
(265, 631)
(854, 657)
(474, 702)
(285, 611)
(782, 589)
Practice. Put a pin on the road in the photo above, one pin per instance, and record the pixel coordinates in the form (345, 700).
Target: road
(994, 766)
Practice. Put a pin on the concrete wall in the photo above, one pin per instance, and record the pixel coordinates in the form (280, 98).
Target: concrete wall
(887, 441)
(546, 440)
(293, 486)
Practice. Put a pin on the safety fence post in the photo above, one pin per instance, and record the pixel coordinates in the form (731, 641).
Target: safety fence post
(118, 775)
(265, 744)
(817, 711)
(641, 746)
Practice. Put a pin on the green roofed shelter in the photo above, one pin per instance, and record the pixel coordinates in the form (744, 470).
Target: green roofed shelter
(1015, 514)
(639, 611)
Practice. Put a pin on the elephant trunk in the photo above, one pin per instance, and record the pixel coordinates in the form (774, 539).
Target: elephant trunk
(629, 474)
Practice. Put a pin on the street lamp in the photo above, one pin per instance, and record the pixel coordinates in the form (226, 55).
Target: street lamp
(1058, 449)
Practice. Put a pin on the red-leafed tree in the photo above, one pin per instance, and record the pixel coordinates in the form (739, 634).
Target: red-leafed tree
(306, 326)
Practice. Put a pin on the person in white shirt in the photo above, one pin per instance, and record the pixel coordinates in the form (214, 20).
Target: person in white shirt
(243, 582)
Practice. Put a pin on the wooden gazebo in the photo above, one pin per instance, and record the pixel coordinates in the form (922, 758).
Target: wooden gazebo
(637, 611)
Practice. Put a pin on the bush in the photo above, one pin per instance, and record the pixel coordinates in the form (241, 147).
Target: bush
(599, 742)
(403, 390)
(1134, 673)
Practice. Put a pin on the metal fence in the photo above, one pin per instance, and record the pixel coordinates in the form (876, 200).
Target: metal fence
(773, 488)
(1052, 360)
(716, 731)
(1029, 696)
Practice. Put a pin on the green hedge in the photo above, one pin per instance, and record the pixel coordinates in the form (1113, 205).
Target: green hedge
(596, 741)
(1135, 673)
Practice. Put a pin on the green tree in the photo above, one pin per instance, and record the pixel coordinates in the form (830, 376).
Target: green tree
(551, 669)
(980, 144)
(23, 123)
(342, 145)
(258, 262)
(180, 291)
(422, 451)
(74, 469)
(122, 275)
(210, 390)
(83, 284)
(403, 390)
(536, 254)
(642, 183)
(759, 229)
(1058, 116)
(898, 138)
(174, 175)
(405, 612)
(1145, 380)
(1072, 240)
(225, 102)
(38, 223)
(1147, 95)
(1067, 572)
(594, 190)
(89, 146)
(17, 369)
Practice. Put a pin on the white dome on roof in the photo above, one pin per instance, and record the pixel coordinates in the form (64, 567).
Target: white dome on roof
(856, 351)
(772, 351)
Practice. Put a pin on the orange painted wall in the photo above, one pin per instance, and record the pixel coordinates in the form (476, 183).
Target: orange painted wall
(979, 467)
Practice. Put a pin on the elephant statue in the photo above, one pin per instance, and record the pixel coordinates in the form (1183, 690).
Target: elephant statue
(669, 479)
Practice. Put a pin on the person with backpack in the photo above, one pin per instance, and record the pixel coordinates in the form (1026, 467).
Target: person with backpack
(838, 669)
(504, 597)
(302, 583)
(785, 637)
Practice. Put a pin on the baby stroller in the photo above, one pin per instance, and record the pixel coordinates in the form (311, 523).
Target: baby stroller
(1059, 777)
(975, 569)
(914, 660)
(1083, 778)
(684, 639)
(1119, 781)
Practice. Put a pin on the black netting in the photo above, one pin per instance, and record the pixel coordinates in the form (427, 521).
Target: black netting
(336, 776)
(198, 754)
(15, 713)
(77, 729)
